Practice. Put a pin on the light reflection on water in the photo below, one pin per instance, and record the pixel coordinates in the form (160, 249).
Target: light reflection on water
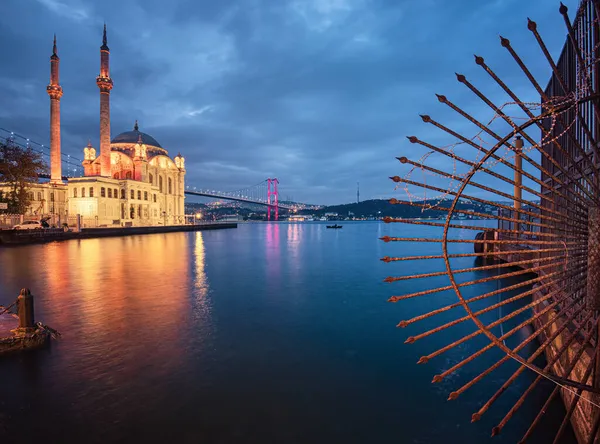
(268, 333)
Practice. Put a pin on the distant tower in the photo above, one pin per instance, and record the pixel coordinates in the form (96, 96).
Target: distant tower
(105, 84)
(357, 192)
(55, 92)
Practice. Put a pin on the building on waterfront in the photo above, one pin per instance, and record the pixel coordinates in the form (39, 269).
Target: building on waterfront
(132, 181)
(143, 186)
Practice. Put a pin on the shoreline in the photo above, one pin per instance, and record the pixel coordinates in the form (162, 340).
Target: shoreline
(26, 237)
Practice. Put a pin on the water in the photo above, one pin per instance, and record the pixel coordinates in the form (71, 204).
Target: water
(268, 333)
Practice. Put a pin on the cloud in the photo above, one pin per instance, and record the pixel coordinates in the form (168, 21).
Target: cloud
(319, 93)
(71, 11)
(200, 111)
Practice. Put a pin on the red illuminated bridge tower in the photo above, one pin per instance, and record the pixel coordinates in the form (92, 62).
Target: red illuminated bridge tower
(272, 198)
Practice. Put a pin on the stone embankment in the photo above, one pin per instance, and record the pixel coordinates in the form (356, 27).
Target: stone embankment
(18, 237)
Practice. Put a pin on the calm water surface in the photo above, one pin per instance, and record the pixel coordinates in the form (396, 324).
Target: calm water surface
(270, 333)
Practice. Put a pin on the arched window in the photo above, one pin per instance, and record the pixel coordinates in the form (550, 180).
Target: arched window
(40, 194)
(132, 194)
(82, 192)
(154, 197)
(170, 186)
(116, 176)
(145, 195)
(103, 192)
(151, 179)
(30, 196)
(91, 191)
(110, 193)
(51, 197)
(160, 184)
(74, 192)
(128, 175)
(116, 193)
(122, 194)
(139, 195)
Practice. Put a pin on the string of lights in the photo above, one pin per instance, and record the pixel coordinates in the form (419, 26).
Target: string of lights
(73, 164)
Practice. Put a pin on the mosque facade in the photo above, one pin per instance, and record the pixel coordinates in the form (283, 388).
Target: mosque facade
(130, 181)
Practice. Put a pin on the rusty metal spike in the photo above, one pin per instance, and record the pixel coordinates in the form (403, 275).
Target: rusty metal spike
(563, 9)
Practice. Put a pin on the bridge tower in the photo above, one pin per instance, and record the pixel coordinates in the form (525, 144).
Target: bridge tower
(272, 198)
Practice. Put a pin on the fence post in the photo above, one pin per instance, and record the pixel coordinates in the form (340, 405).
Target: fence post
(25, 311)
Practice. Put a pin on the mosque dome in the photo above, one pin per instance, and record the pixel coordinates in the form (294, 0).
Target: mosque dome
(134, 137)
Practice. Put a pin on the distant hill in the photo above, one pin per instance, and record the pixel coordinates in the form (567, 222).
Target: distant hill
(382, 208)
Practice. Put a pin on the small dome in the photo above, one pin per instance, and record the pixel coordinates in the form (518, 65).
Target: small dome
(134, 137)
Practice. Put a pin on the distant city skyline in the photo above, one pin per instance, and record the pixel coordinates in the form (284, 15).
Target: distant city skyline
(319, 93)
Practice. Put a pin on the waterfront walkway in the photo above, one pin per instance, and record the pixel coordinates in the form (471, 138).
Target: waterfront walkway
(19, 237)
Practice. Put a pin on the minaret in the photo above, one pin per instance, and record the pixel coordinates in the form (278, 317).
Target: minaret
(55, 92)
(105, 84)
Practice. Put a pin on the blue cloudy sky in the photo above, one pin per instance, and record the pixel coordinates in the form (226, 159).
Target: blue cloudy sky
(319, 93)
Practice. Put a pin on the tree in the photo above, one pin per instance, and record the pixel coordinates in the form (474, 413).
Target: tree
(19, 167)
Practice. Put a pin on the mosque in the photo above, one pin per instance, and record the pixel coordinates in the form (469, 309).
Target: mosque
(131, 181)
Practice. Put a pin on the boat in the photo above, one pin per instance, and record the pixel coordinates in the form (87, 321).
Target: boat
(334, 226)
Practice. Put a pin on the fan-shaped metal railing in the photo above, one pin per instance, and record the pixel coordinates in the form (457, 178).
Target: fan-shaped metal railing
(528, 180)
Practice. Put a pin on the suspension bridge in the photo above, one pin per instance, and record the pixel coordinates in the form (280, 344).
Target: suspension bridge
(264, 193)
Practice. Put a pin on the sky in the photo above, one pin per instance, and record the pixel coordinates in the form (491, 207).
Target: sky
(318, 93)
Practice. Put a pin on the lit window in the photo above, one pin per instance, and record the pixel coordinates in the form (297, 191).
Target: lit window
(103, 192)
